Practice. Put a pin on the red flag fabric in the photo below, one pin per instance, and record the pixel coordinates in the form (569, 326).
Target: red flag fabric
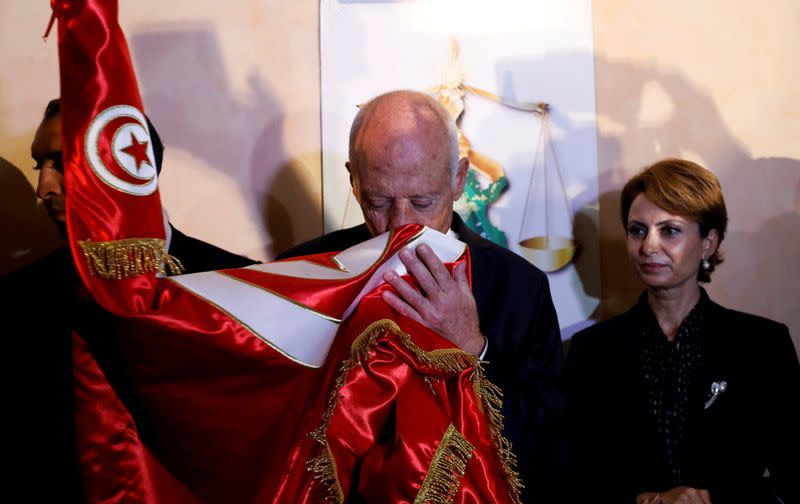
(113, 211)
(285, 382)
(227, 404)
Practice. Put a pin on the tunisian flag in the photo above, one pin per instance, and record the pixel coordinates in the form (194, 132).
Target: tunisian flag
(113, 214)
(284, 382)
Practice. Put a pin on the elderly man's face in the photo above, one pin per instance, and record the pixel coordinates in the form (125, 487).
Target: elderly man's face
(401, 173)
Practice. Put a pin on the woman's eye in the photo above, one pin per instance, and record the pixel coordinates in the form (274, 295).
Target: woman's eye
(636, 231)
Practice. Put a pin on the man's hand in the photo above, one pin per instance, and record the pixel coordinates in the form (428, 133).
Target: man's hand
(678, 495)
(445, 305)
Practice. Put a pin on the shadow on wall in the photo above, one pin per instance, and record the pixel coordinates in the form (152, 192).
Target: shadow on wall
(648, 114)
(28, 234)
(184, 83)
(288, 206)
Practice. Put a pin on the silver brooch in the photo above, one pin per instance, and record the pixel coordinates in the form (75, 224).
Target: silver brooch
(716, 389)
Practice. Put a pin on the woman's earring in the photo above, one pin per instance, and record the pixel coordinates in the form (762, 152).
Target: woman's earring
(706, 264)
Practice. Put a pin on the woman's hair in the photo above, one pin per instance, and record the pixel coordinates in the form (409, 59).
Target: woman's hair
(682, 188)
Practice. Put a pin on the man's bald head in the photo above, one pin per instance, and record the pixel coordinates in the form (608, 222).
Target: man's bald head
(404, 165)
(409, 111)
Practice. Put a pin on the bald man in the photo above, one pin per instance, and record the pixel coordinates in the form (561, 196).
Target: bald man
(405, 168)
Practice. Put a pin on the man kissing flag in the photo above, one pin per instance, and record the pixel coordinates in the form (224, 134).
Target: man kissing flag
(284, 382)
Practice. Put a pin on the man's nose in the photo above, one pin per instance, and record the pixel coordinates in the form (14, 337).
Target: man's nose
(51, 183)
(400, 215)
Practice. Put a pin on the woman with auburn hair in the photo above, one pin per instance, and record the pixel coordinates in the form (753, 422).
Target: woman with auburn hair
(679, 399)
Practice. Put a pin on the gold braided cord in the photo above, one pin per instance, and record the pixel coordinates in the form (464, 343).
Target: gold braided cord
(126, 258)
(451, 360)
(447, 468)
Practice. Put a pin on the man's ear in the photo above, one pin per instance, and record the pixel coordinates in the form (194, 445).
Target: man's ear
(460, 178)
(351, 171)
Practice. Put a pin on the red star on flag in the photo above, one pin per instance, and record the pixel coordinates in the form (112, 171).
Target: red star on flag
(138, 151)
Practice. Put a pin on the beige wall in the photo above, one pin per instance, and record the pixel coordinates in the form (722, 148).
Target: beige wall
(234, 92)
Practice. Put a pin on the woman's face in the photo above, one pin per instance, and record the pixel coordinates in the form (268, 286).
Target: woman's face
(665, 249)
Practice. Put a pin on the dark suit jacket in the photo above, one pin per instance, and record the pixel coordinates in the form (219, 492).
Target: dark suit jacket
(197, 255)
(43, 303)
(517, 317)
(751, 427)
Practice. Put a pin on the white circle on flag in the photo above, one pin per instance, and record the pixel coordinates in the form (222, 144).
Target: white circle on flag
(129, 134)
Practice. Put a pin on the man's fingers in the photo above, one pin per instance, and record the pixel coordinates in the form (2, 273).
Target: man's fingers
(435, 266)
(461, 279)
(697, 496)
(688, 495)
(648, 498)
(401, 306)
(406, 291)
(419, 271)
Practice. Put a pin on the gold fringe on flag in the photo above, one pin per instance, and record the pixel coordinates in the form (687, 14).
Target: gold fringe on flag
(324, 469)
(118, 259)
(323, 466)
(451, 360)
(455, 360)
(447, 468)
(492, 400)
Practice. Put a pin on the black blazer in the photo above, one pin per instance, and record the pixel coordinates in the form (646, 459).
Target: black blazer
(197, 255)
(517, 316)
(750, 428)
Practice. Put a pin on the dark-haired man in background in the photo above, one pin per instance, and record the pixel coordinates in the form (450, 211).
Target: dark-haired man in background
(195, 255)
(46, 299)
